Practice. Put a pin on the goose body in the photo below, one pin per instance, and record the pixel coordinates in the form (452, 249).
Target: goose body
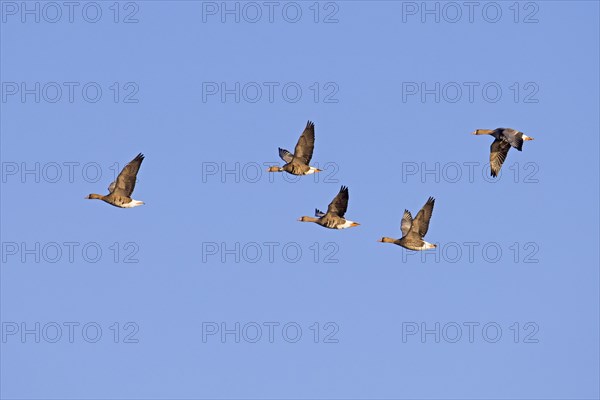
(334, 217)
(505, 138)
(298, 163)
(413, 231)
(121, 189)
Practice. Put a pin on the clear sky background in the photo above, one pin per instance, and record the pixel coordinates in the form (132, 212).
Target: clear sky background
(370, 134)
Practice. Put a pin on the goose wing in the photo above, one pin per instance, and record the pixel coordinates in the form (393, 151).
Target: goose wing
(498, 151)
(514, 137)
(339, 204)
(125, 182)
(306, 144)
(420, 224)
(406, 223)
(285, 155)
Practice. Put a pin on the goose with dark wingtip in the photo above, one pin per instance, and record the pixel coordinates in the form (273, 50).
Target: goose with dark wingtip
(121, 189)
(414, 230)
(505, 138)
(298, 163)
(334, 217)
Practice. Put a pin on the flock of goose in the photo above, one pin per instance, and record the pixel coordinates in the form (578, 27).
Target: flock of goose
(298, 163)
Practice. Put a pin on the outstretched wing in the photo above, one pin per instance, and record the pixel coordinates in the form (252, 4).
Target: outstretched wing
(318, 213)
(514, 137)
(339, 204)
(285, 155)
(498, 151)
(420, 224)
(125, 182)
(406, 223)
(112, 187)
(306, 144)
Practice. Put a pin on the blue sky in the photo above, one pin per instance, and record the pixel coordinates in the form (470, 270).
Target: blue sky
(394, 94)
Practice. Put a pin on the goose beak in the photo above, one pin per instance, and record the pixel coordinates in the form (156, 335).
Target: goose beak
(299, 219)
(474, 133)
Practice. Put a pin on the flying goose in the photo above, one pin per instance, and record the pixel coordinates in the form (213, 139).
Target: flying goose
(120, 190)
(297, 163)
(334, 217)
(505, 138)
(413, 230)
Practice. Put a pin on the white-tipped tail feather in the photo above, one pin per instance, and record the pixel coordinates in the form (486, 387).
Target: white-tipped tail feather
(347, 224)
(133, 203)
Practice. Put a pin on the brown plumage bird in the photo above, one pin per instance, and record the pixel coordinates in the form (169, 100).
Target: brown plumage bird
(413, 231)
(334, 217)
(505, 138)
(298, 163)
(121, 189)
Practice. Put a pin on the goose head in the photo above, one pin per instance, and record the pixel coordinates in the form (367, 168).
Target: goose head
(308, 219)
